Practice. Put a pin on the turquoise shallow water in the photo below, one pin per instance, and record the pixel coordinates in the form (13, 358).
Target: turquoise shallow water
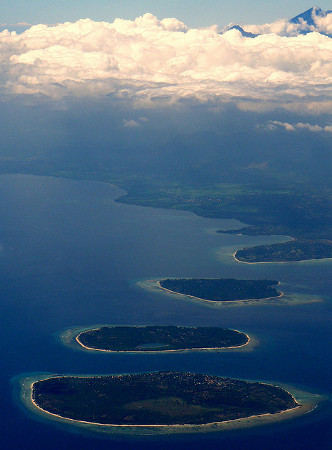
(70, 256)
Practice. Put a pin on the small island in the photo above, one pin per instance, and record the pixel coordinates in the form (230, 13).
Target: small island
(222, 289)
(160, 399)
(160, 338)
(290, 251)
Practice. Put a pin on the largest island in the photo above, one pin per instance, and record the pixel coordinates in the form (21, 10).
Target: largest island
(160, 399)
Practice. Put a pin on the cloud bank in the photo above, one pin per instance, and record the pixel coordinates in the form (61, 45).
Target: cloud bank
(274, 125)
(149, 61)
(313, 20)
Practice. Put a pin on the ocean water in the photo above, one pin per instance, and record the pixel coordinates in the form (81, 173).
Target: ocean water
(70, 256)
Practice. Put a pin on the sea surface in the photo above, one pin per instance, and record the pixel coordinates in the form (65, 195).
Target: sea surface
(70, 256)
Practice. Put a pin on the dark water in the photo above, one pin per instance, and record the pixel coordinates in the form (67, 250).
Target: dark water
(69, 256)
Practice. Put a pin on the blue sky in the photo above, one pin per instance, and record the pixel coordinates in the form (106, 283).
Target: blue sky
(192, 12)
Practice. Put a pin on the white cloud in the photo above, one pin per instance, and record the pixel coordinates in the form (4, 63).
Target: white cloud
(321, 22)
(151, 61)
(308, 126)
(324, 24)
(130, 123)
(19, 24)
(281, 27)
(274, 125)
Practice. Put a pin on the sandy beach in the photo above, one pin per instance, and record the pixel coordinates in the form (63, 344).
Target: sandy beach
(154, 285)
(218, 301)
(307, 402)
(282, 299)
(70, 337)
(282, 262)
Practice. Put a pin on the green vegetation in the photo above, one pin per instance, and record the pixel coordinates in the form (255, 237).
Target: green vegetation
(223, 289)
(152, 338)
(287, 210)
(276, 203)
(280, 204)
(297, 250)
(161, 398)
(295, 210)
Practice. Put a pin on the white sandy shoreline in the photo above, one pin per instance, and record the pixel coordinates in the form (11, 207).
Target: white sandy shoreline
(218, 301)
(281, 262)
(306, 403)
(71, 336)
(153, 285)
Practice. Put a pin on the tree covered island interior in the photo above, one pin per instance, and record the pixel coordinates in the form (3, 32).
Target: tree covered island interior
(295, 250)
(222, 289)
(160, 398)
(159, 338)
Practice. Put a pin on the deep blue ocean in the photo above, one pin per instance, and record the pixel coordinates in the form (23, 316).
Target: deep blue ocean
(70, 256)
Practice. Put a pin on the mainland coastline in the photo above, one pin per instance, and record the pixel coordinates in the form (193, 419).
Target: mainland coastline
(305, 403)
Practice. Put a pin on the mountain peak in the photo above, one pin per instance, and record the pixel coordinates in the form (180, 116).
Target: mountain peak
(240, 29)
(308, 22)
(304, 23)
(308, 16)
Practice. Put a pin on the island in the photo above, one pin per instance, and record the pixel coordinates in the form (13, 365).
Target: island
(160, 338)
(290, 251)
(222, 289)
(158, 399)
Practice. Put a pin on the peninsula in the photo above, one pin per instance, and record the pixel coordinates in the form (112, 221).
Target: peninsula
(222, 289)
(158, 399)
(290, 251)
(160, 338)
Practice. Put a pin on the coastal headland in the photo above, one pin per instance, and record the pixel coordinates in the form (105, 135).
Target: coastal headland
(296, 250)
(175, 402)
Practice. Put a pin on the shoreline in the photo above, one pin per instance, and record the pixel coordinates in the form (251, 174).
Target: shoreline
(281, 300)
(219, 301)
(70, 336)
(166, 350)
(279, 262)
(309, 403)
(154, 285)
